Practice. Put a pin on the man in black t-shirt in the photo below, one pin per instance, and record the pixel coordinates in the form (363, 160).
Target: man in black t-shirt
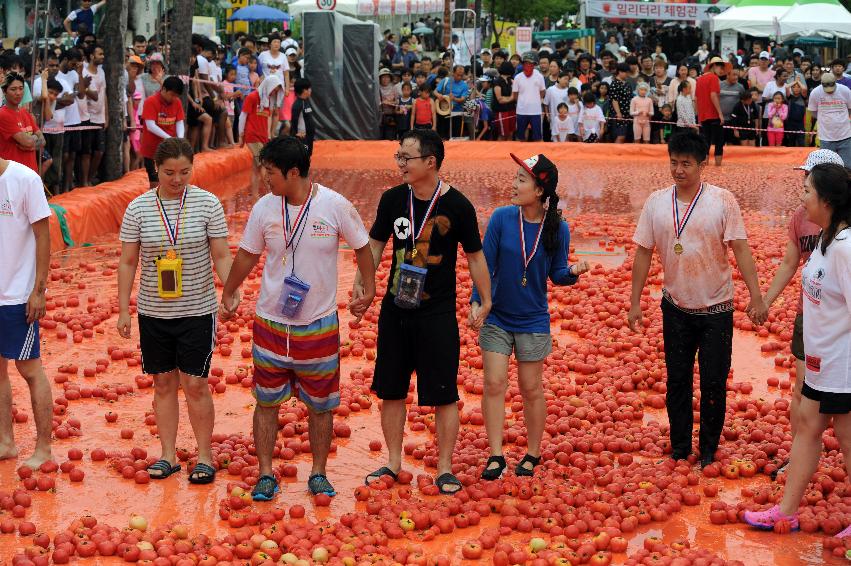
(417, 326)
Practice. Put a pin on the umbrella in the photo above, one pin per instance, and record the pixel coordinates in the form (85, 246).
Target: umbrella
(259, 12)
(423, 31)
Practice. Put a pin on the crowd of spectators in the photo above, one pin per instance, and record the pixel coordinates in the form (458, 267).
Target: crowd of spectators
(54, 110)
(629, 92)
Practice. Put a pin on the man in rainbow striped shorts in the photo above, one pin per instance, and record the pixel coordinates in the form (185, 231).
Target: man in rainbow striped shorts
(296, 331)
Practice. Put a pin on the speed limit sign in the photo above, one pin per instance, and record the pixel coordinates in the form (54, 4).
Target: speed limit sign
(326, 4)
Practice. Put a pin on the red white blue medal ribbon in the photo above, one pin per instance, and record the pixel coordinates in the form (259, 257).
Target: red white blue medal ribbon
(173, 234)
(528, 259)
(415, 235)
(680, 226)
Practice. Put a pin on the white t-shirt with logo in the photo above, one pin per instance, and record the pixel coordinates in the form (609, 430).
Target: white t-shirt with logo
(591, 119)
(72, 111)
(58, 119)
(22, 203)
(265, 59)
(330, 217)
(528, 91)
(96, 108)
(832, 112)
(826, 285)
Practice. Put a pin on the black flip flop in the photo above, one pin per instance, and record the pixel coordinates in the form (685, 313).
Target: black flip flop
(164, 468)
(209, 474)
(447, 479)
(383, 471)
(521, 470)
(491, 474)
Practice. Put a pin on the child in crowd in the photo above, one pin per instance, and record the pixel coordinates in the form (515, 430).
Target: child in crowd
(303, 122)
(553, 98)
(423, 115)
(685, 106)
(229, 94)
(746, 115)
(641, 109)
(777, 114)
(604, 102)
(666, 114)
(562, 124)
(592, 122)
(406, 104)
(797, 114)
(574, 107)
(389, 104)
(253, 72)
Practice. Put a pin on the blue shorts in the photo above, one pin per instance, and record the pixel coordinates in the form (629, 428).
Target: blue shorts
(526, 120)
(19, 340)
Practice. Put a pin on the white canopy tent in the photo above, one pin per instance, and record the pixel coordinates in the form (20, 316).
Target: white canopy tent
(816, 19)
(348, 7)
(761, 21)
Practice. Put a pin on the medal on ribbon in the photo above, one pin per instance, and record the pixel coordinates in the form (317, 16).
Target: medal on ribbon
(415, 234)
(528, 259)
(300, 219)
(679, 226)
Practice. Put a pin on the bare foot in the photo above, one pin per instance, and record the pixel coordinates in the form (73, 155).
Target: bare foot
(8, 452)
(38, 458)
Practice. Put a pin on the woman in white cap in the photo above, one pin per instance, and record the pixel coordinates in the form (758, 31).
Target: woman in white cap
(519, 321)
(826, 392)
(803, 235)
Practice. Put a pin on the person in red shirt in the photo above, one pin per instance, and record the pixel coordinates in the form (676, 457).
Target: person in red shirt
(162, 118)
(20, 137)
(257, 121)
(709, 115)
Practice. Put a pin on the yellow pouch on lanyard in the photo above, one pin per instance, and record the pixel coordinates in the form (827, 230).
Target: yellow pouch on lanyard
(170, 277)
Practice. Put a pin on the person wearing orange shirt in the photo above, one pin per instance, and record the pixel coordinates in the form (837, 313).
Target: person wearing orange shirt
(162, 118)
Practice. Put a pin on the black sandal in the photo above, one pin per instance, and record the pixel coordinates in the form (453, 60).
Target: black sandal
(445, 480)
(202, 474)
(164, 468)
(491, 474)
(521, 470)
(376, 475)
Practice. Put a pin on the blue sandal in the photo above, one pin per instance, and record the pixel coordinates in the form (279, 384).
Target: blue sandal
(265, 489)
(164, 468)
(318, 483)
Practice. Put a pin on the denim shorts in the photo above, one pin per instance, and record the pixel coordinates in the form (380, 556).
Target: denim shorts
(526, 346)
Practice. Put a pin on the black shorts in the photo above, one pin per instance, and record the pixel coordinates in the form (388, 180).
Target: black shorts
(829, 403)
(183, 343)
(409, 342)
(151, 168)
(209, 106)
(73, 141)
(798, 338)
(92, 141)
(192, 115)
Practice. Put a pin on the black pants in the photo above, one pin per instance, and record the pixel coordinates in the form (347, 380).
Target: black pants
(713, 132)
(710, 336)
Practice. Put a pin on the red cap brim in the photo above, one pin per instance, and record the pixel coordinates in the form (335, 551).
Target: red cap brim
(522, 164)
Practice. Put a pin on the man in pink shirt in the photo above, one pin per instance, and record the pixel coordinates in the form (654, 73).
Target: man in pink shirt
(693, 224)
(761, 75)
(803, 236)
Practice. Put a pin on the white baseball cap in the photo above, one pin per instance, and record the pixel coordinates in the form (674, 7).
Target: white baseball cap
(820, 157)
(764, 55)
(291, 51)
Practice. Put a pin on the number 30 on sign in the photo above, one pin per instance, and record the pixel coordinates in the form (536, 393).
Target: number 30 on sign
(326, 4)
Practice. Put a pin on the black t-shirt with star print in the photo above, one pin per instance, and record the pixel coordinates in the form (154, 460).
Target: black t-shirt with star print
(452, 222)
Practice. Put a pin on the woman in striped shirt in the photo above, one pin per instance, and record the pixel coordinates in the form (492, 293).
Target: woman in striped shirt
(179, 233)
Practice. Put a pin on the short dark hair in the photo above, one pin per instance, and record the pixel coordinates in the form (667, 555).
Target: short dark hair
(53, 84)
(561, 105)
(301, 85)
(243, 51)
(572, 90)
(139, 39)
(173, 84)
(588, 96)
(287, 153)
(688, 143)
(623, 67)
(837, 62)
(71, 55)
(12, 77)
(430, 144)
(273, 37)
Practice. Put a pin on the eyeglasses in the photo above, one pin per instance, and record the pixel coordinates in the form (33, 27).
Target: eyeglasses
(402, 160)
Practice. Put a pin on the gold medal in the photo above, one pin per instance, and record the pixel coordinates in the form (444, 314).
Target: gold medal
(171, 254)
(413, 253)
(678, 248)
(523, 281)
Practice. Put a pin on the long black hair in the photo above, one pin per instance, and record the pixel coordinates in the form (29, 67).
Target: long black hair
(832, 183)
(552, 221)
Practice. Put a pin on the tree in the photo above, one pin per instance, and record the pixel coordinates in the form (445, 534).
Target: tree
(113, 29)
(180, 37)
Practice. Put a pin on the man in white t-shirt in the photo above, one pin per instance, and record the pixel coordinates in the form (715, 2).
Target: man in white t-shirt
(24, 266)
(296, 330)
(830, 104)
(53, 135)
(275, 61)
(693, 225)
(93, 141)
(529, 89)
(69, 63)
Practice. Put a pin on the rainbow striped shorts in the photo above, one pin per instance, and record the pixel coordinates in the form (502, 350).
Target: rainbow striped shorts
(304, 360)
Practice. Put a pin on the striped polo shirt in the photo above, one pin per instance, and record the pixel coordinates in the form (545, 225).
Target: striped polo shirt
(203, 218)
